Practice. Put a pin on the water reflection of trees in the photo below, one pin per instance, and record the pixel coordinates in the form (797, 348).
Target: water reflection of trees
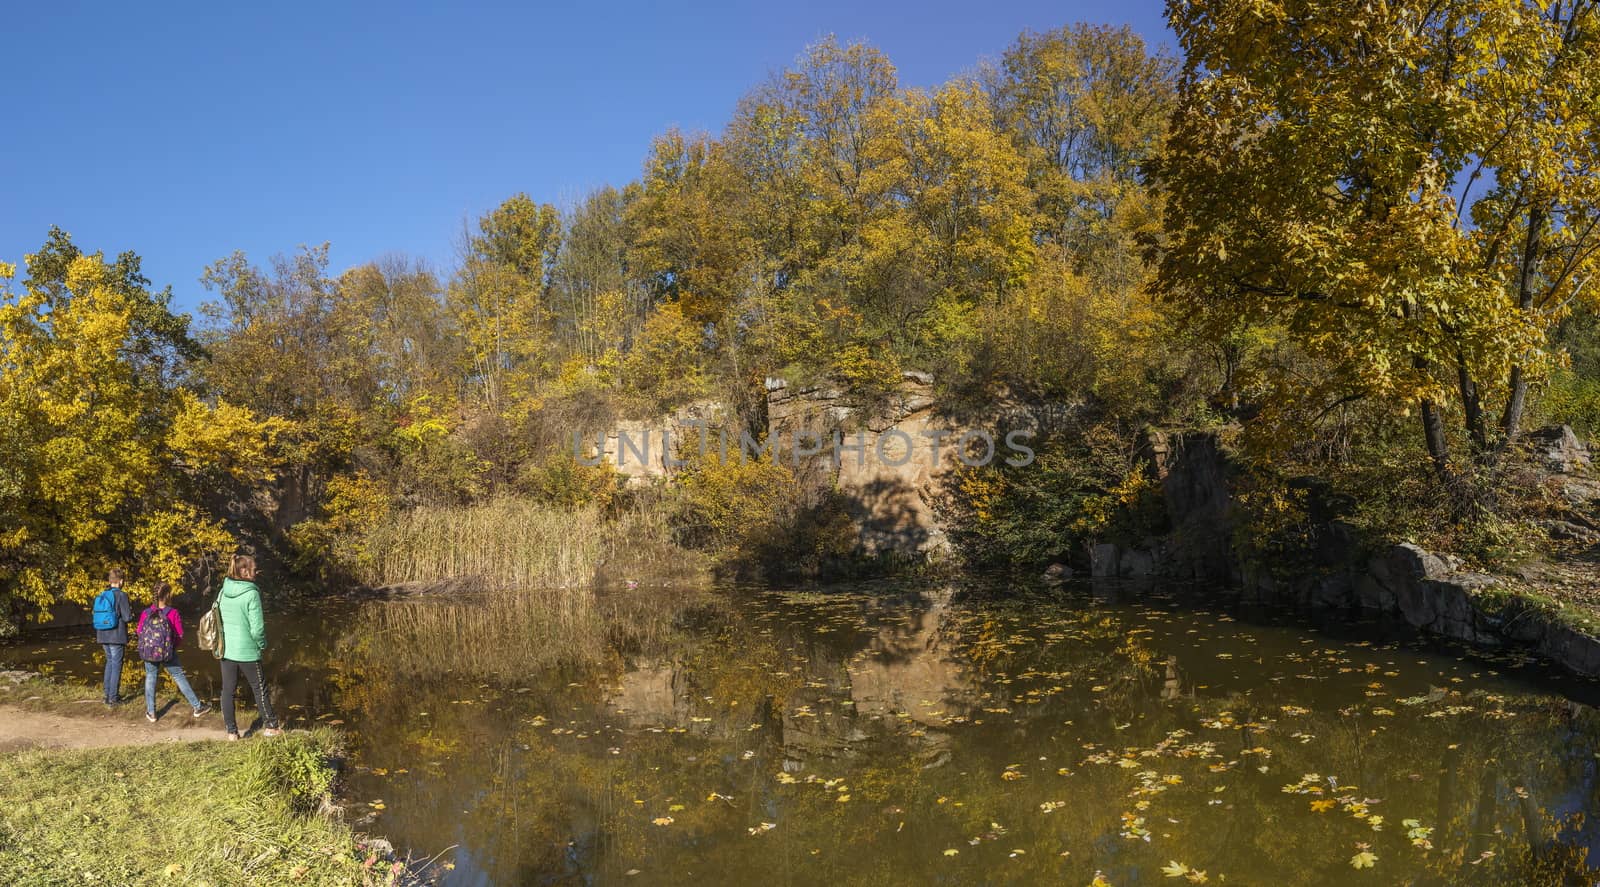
(768, 709)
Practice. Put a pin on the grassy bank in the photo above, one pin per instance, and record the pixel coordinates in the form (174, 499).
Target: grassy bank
(207, 812)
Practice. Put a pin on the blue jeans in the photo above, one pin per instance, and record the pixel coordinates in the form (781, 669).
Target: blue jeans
(176, 671)
(113, 670)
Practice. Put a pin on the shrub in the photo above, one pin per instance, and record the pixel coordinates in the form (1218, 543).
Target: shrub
(563, 481)
(340, 538)
(298, 767)
(1082, 486)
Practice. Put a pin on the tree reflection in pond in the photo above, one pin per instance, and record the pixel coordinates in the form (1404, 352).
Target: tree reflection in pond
(853, 738)
(937, 736)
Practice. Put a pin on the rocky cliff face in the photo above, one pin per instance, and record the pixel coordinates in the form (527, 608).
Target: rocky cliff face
(892, 461)
(889, 460)
(883, 463)
(1428, 591)
(643, 450)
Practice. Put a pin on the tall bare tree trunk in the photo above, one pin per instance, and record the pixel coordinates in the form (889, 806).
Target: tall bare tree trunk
(1432, 423)
(1511, 422)
(1471, 405)
(1438, 447)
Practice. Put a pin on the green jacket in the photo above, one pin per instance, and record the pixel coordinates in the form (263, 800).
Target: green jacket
(244, 631)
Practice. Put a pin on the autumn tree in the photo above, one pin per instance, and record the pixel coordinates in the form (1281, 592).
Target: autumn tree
(107, 456)
(1408, 190)
(499, 299)
(599, 300)
(954, 230)
(400, 339)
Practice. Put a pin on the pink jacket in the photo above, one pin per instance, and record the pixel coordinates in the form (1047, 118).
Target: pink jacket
(173, 619)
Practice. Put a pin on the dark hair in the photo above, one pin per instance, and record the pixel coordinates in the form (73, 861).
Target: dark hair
(163, 594)
(243, 568)
(115, 578)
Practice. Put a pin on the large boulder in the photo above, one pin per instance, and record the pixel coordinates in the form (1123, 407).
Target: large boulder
(1559, 449)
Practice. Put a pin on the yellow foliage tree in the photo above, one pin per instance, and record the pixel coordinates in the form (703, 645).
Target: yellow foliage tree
(100, 447)
(1408, 189)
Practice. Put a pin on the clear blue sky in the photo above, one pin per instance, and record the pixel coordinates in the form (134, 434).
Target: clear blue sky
(186, 132)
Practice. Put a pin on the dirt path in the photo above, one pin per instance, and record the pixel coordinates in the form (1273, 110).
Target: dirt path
(23, 729)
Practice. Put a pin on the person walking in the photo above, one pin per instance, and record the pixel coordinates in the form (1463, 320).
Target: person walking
(160, 632)
(244, 633)
(111, 614)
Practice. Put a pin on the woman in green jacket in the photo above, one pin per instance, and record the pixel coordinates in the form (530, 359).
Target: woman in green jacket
(244, 636)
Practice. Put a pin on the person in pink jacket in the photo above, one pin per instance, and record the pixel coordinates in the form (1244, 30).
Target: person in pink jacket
(160, 631)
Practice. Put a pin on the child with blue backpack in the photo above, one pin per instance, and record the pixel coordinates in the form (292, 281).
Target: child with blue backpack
(112, 611)
(160, 631)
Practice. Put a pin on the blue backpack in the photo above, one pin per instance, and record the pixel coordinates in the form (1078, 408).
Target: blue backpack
(105, 611)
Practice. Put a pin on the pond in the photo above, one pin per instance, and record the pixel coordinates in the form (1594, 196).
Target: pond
(935, 734)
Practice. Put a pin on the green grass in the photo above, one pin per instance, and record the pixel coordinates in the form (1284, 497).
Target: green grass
(1513, 599)
(216, 813)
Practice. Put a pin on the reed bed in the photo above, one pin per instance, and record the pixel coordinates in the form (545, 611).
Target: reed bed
(511, 543)
(503, 543)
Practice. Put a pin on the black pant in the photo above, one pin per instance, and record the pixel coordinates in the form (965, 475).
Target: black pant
(258, 687)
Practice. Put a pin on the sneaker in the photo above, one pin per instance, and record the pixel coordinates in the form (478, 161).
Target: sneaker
(150, 716)
(271, 731)
(202, 710)
(233, 737)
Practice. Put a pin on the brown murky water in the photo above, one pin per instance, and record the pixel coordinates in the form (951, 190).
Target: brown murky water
(914, 735)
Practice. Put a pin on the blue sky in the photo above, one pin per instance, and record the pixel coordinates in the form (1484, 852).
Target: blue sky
(186, 132)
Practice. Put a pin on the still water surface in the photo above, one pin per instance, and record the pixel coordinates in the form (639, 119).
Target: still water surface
(925, 735)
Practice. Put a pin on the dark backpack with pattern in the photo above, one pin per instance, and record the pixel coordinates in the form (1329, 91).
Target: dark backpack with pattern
(155, 638)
